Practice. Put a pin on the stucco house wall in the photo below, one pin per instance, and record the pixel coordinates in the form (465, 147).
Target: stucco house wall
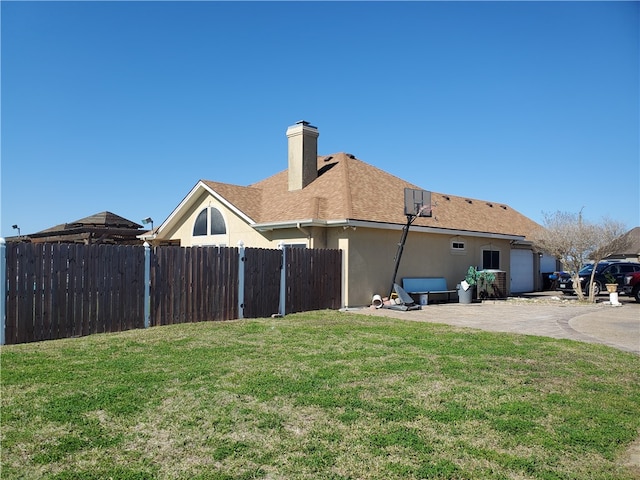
(370, 254)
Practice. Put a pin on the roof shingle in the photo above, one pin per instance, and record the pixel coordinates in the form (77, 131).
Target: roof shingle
(349, 189)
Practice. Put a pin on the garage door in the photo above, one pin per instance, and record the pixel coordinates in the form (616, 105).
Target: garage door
(521, 271)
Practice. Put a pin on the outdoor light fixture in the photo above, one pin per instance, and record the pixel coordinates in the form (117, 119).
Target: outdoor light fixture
(147, 221)
(16, 227)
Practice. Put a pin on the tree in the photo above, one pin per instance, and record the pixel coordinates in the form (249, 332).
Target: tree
(575, 241)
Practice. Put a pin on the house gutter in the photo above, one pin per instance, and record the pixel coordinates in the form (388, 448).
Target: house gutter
(147, 237)
(299, 224)
(303, 230)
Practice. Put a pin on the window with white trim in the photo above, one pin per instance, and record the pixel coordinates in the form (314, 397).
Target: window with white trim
(458, 246)
(200, 226)
(491, 260)
(218, 226)
(209, 220)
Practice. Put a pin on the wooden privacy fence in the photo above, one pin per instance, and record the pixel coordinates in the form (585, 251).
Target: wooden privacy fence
(311, 280)
(65, 290)
(193, 284)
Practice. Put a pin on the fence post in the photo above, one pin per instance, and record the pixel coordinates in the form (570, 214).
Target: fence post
(283, 279)
(147, 283)
(241, 264)
(3, 289)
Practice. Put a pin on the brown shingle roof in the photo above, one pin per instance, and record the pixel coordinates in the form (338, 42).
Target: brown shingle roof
(246, 199)
(102, 219)
(350, 189)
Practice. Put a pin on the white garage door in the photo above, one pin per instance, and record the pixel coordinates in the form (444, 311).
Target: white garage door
(521, 271)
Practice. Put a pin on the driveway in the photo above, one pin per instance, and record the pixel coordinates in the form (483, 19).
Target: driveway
(544, 314)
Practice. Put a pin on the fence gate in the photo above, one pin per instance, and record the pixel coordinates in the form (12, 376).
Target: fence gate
(193, 284)
(262, 282)
(313, 279)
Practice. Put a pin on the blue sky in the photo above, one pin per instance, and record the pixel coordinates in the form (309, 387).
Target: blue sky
(124, 106)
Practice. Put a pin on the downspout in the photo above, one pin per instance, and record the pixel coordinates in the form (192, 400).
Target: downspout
(305, 232)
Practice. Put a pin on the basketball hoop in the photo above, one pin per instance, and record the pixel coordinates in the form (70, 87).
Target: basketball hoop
(417, 203)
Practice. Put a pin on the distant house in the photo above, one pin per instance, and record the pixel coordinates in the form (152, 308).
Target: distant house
(632, 252)
(104, 227)
(338, 201)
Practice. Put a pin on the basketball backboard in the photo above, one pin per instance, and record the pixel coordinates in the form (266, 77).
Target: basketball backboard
(417, 202)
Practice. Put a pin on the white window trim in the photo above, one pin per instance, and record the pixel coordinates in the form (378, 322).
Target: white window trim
(209, 237)
(456, 250)
(491, 248)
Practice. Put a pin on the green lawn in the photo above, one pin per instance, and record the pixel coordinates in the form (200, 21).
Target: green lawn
(321, 395)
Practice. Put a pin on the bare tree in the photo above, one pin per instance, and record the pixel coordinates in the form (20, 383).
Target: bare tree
(575, 242)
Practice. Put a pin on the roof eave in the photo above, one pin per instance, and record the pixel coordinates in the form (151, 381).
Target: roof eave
(269, 226)
(437, 230)
(190, 197)
(308, 222)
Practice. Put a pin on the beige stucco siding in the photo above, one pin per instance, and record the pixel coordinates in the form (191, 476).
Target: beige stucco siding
(237, 228)
(369, 265)
(342, 243)
(370, 255)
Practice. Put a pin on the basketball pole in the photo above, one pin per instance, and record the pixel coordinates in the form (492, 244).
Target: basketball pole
(405, 231)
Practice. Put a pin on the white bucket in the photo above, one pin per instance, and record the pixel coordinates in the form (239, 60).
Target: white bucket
(376, 301)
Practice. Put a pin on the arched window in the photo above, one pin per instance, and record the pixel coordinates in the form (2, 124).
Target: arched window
(209, 217)
(217, 222)
(200, 227)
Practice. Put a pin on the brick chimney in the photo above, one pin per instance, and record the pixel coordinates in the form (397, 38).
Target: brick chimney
(303, 154)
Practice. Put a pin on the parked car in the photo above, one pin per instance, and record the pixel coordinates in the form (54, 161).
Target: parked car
(631, 285)
(603, 270)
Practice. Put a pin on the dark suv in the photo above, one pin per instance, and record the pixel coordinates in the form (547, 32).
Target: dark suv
(617, 269)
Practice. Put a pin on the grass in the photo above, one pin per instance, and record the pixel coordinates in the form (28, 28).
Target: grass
(326, 395)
